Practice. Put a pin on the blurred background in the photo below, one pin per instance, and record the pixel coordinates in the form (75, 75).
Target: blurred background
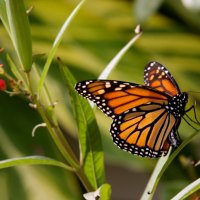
(170, 36)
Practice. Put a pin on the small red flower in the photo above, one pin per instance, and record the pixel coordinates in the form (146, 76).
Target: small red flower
(2, 85)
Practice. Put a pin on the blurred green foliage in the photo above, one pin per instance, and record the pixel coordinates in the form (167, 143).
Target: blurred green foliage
(102, 27)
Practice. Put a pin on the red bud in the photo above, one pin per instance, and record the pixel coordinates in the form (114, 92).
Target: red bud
(2, 85)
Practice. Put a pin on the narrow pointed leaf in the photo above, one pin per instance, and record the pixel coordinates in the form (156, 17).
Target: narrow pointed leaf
(187, 191)
(91, 153)
(20, 32)
(32, 160)
(57, 43)
(3, 15)
(113, 63)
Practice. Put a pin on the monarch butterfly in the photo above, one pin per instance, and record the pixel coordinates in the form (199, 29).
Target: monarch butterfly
(145, 117)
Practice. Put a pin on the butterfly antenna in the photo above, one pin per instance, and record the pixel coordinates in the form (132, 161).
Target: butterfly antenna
(193, 92)
(189, 123)
(195, 115)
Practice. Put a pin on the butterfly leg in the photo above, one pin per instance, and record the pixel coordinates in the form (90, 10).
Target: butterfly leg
(195, 115)
(189, 123)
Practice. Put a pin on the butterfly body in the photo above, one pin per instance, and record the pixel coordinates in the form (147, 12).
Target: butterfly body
(177, 104)
(145, 117)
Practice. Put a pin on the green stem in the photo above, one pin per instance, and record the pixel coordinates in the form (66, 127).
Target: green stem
(28, 82)
(154, 179)
(55, 131)
(84, 180)
(64, 147)
(46, 92)
(58, 138)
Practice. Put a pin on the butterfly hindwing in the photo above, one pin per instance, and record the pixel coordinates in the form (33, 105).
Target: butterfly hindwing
(143, 130)
(116, 97)
(158, 77)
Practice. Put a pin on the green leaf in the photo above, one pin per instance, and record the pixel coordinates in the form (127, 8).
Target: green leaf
(92, 157)
(113, 63)
(57, 43)
(32, 160)
(143, 9)
(187, 191)
(20, 32)
(3, 15)
(105, 192)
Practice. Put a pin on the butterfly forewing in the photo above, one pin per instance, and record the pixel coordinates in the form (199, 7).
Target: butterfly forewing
(158, 77)
(117, 97)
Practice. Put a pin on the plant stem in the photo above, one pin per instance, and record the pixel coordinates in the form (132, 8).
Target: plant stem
(84, 180)
(64, 147)
(28, 82)
(58, 138)
(155, 177)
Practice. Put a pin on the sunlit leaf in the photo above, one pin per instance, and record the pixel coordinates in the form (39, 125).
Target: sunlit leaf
(91, 153)
(105, 192)
(3, 15)
(56, 43)
(32, 160)
(20, 32)
(187, 191)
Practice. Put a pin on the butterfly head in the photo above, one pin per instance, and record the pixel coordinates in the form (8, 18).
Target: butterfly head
(184, 96)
